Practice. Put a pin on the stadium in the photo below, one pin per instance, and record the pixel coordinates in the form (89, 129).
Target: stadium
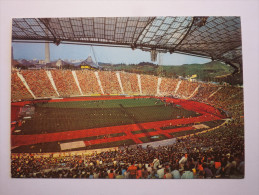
(94, 123)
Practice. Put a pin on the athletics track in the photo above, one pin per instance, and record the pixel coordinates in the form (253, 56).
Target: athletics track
(208, 112)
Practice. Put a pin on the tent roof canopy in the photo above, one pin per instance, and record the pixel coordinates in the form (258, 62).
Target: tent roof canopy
(218, 38)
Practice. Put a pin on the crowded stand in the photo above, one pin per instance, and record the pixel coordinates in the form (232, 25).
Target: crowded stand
(39, 83)
(204, 91)
(186, 88)
(130, 83)
(215, 154)
(109, 82)
(19, 91)
(220, 96)
(65, 83)
(230, 99)
(138, 118)
(88, 82)
(148, 84)
(236, 104)
(168, 86)
(226, 96)
(237, 112)
(212, 154)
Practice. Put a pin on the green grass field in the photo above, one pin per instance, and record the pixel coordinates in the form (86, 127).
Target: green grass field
(105, 103)
(76, 115)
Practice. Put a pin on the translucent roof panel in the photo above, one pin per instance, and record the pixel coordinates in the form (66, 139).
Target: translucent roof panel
(218, 38)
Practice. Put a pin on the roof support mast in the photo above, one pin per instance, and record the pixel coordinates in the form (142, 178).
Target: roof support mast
(94, 56)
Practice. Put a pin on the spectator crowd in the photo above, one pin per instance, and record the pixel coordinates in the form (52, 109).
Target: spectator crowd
(130, 83)
(229, 98)
(88, 82)
(109, 82)
(39, 83)
(65, 83)
(168, 86)
(186, 89)
(215, 154)
(149, 84)
(19, 91)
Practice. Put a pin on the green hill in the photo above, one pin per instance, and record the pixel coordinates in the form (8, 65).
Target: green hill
(207, 71)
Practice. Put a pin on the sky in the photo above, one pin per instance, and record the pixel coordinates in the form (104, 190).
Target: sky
(112, 55)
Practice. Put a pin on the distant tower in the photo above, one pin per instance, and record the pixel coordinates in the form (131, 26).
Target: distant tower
(47, 55)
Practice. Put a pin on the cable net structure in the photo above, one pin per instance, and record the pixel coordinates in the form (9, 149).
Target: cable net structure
(218, 38)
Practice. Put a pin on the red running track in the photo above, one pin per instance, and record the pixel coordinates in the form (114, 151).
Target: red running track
(205, 110)
(15, 112)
